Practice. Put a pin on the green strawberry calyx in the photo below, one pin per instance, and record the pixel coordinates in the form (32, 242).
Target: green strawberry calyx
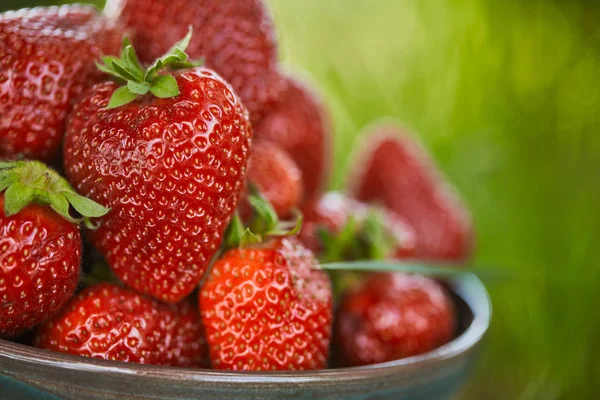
(265, 223)
(142, 81)
(26, 182)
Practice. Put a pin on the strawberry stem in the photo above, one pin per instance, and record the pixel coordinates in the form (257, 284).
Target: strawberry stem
(140, 81)
(26, 182)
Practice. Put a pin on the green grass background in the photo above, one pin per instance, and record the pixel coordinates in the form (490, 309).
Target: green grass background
(506, 94)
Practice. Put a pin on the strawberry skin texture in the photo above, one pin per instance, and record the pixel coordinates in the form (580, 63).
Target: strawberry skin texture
(300, 124)
(40, 254)
(267, 308)
(333, 211)
(171, 170)
(109, 322)
(46, 60)
(276, 176)
(234, 37)
(392, 316)
(397, 172)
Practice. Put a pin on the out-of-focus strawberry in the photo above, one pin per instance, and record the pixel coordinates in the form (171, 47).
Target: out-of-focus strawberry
(40, 244)
(355, 230)
(300, 124)
(46, 60)
(392, 316)
(234, 37)
(168, 154)
(397, 172)
(267, 307)
(112, 323)
(276, 176)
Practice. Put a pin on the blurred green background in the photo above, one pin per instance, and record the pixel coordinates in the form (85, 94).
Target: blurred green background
(507, 96)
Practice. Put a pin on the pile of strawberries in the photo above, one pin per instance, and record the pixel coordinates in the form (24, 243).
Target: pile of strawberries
(190, 165)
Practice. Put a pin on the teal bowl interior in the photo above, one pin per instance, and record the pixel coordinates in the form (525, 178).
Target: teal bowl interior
(33, 374)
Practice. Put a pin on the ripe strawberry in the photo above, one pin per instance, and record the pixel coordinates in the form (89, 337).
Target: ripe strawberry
(373, 232)
(171, 168)
(301, 126)
(392, 316)
(40, 244)
(276, 176)
(234, 37)
(396, 171)
(46, 60)
(108, 322)
(267, 307)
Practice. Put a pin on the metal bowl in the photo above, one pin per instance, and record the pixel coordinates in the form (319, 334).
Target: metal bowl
(34, 374)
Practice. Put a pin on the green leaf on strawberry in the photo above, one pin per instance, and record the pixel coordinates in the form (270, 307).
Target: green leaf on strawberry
(26, 182)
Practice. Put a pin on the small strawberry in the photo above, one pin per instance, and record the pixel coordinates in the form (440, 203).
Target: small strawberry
(300, 124)
(46, 60)
(392, 316)
(396, 171)
(342, 228)
(108, 322)
(40, 244)
(276, 176)
(234, 37)
(267, 307)
(168, 154)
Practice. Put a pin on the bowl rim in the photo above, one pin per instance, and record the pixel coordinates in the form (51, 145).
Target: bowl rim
(467, 286)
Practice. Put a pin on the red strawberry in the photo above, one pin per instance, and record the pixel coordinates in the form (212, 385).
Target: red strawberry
(46, 60)
(397, 172)
(300, 125)
(40, 244)
(234, 37)
(267, 308)
(276, 176)
(108, 322)
(334, 211)
(171, 168)
(392, 316)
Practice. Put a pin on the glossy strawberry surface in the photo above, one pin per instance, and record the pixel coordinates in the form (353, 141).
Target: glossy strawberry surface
(267, 308)
(39, 266)
(396, 171)
(170, 169)
(234, 37)
(300, 125)
(46, 60)
(276, 176)
(112, 323)
(392, 316)
(333, 211)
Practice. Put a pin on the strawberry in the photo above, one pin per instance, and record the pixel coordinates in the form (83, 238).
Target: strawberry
(276, 176)
(267, 307)
(46, 60)
(350, 225)
(234, 37)
(112, 323)
(168, 154)
(396, 171)
(40, 244)
(300, 125)
(392, 316)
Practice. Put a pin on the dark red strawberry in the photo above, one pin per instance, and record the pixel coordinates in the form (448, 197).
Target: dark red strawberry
(170, 163)
(112, 323)
(368, 232)
(40, 244)
(397, 172)
(234, 37)
(300, 124)
(276, 176)
(392, 316)
(267, 307)
(46, 60)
